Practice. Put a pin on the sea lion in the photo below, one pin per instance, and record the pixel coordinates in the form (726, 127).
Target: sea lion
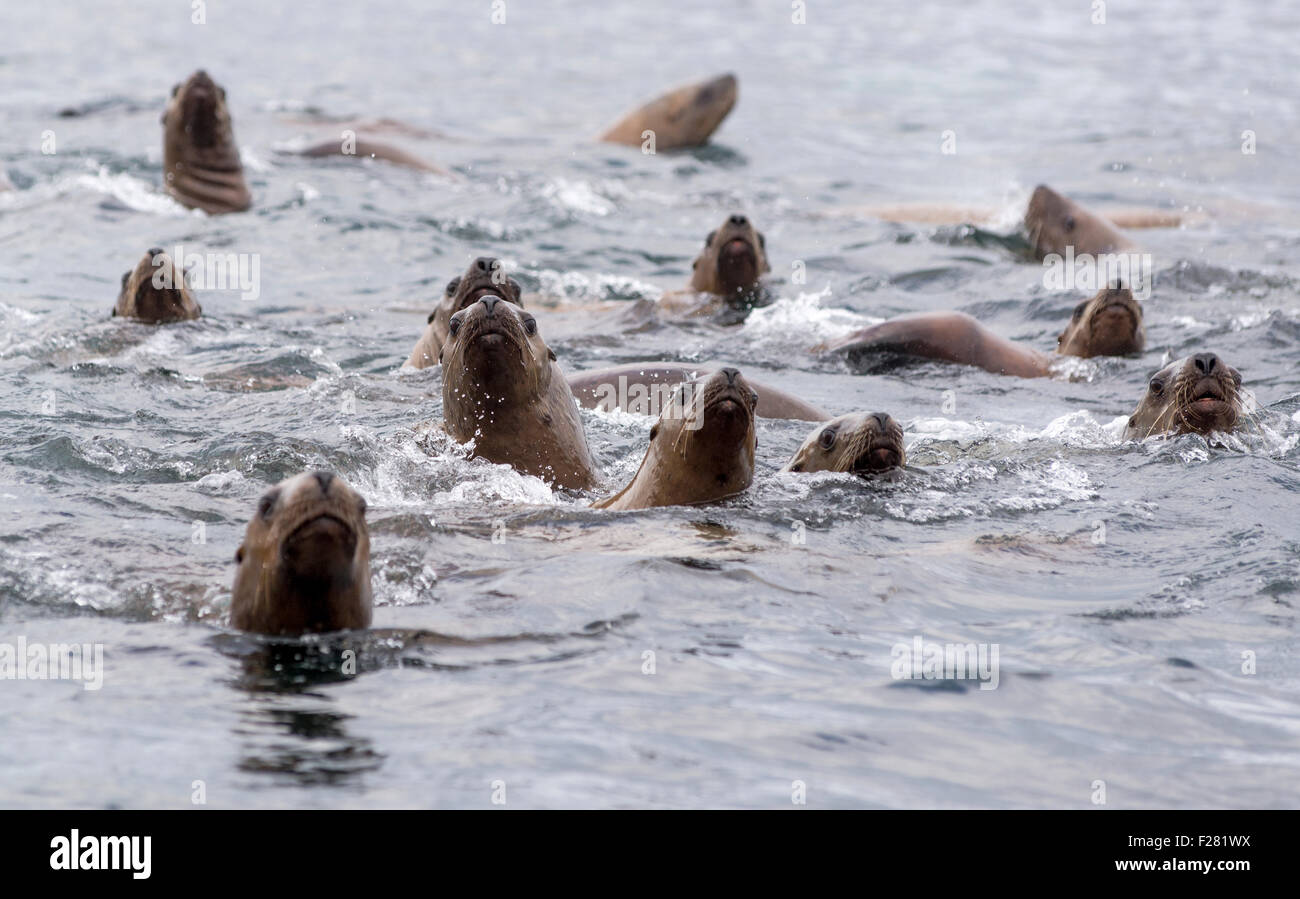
(1195, 395)
(636, 386)
(483, 277)
(1108, 324)
(701, 449)
(684, 117)
(360, 148)
(860, 442)
(201, 167)
(1054, 222)
(502, 387)
(304, 565)
(1051, 221)
(728, 270)
(155, 291)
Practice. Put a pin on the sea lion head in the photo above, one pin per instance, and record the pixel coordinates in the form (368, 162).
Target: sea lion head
(1054, 223)
(304, 565)
(701, 449)
(1050, 220)
(494, 357)
(197, 109)
(861, 442)
(484, 277)
(733, 259)
(1108, 324)
(155, 291)
(706, 104)
(200, 157)
(1198, 394)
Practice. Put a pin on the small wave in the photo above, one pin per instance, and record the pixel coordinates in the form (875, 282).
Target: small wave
(130, 191)
(576, 196)
(576, 287)
(801, 321)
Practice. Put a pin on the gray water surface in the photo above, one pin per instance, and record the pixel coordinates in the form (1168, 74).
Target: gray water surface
(1121, 582)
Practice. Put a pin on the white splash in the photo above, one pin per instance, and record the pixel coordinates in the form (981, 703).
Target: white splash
(801, 321)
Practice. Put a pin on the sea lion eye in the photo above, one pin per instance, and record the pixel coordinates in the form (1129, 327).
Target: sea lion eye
(176, 88)
(530, 326)
(1157, 386)
(708, 240)
(267, 503)
(452, 285)
(239, 555)
(1068, 224)
(827, 438)
(654, 432)
(1078, 310)
(361, 505)
(454, 325)
(753, 399)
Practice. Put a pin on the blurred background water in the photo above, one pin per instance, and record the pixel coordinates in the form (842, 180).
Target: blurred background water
(1121, 582)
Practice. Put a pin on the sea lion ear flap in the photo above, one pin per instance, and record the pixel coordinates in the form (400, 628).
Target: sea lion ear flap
(432, 316)
(239, 555)
(550, 352)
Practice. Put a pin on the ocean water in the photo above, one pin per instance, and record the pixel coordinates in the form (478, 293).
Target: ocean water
(1141, 596)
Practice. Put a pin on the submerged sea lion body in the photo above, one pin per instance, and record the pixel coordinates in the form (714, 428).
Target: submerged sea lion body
(701, 449)
(502, 388)
(484, 277)
(1108, 324)
(155, 291)
(304, 565)
(1195, 395)
(368, 149)
(684, 117)
(201, 167)
(634, 387)
(859, 442)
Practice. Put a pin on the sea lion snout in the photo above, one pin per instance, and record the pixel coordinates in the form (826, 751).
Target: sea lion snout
(1207, 363)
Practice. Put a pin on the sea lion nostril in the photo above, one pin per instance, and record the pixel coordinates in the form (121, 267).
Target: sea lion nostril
(739, 220)
(154, 251)
(490, 304)
(881, 418)
(323, 478)
(1206, 363)
(484, 263)
(730, 373)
